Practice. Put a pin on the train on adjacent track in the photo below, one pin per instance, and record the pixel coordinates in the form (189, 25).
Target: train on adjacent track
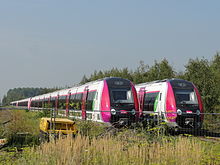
(177, 102)
(109, 100)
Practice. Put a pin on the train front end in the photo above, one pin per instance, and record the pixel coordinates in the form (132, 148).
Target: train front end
(119, 103)
(184, 104)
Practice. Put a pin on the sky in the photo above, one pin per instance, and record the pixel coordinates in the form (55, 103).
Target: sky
(53, 43)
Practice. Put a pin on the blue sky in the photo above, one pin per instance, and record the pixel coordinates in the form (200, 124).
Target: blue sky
(48, 43)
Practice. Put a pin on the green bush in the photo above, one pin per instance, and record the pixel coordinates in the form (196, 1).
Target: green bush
(23, 128)
(89, 128)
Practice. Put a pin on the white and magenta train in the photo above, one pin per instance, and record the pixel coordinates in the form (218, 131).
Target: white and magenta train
(111, 100)
(177, 102)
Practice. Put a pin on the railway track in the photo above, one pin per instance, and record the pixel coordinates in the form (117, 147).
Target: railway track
(112, 130)
(210, 139)
(201, 132)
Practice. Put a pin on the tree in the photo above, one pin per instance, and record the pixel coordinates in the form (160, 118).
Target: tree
(138, 74)
(200, 73)
(215, 68)
(84, 80)
(160, 71)
(22, 93)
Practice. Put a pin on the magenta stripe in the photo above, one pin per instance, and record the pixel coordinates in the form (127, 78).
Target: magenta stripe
(105, 103)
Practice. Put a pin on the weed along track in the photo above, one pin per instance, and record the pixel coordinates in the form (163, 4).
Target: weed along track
(109, 131)
(98, 143)
(210, 139)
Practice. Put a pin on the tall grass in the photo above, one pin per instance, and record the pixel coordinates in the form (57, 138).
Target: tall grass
(22, 128)
(114, 150)
(125, 146)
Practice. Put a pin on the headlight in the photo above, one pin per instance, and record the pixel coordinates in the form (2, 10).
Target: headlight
(133, 111)
(113, 111)
(179, 112)
(198, 112)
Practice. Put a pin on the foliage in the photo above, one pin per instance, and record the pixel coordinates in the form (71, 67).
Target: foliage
(90, 129)
(22, 128)
(131, 149)
(21, 93)
(203, 73)
(199, 72)
(122, 146)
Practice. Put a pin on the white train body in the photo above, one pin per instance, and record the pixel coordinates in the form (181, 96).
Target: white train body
(177, 102)
(107, 100)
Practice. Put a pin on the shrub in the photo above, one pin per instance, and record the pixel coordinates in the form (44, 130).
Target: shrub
(23, 128)
(111, 150)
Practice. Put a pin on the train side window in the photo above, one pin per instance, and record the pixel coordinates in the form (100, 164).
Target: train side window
(71, 101)
(32, 103)
(79, 100)
(76, 101)
(52, 101)
(150, 101)
(96, 96)
(62, 102)
(89, 101)
(40, 103)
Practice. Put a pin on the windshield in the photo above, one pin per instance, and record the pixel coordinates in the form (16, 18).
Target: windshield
(121, 96)
(185, 96)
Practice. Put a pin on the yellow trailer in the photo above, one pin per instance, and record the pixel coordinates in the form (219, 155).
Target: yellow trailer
(59, 126)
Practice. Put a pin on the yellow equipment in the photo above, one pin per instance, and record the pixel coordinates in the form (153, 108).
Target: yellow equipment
(56, 127)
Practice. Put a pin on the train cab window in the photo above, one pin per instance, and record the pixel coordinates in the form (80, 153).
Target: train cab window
(121, 96)
(90, 100)
(150, 101)
(185, 96)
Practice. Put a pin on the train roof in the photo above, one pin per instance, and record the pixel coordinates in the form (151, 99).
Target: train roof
(161, 81)
(61, 91)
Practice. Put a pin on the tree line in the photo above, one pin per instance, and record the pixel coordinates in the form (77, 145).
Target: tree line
(22, 93)
(205, 74)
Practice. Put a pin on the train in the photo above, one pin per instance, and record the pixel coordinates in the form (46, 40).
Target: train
(109, 100)
(175, 102)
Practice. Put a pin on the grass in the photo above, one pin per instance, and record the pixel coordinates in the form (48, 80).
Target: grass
(212, 123)
(124, 146)
(115, 150)
(23, 128)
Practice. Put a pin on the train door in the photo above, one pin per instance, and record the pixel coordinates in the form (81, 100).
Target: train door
(49, 101)
(67, 103)
(159, 105)
(161, 100)
(85, 94)
(141, 99)
(29, 104)
(56, 103)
